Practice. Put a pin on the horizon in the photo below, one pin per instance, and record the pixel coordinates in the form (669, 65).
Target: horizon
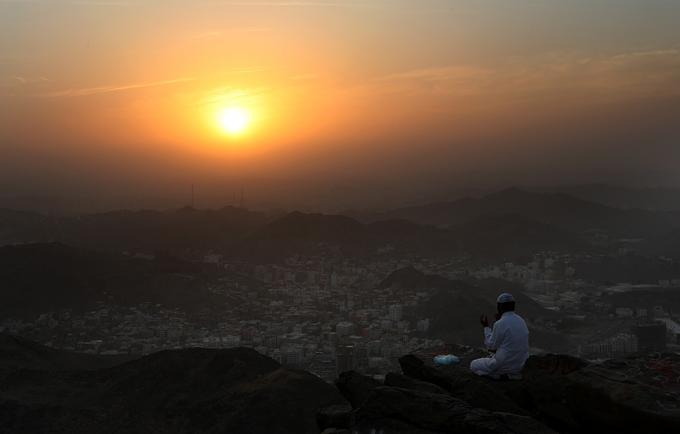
(592, 193)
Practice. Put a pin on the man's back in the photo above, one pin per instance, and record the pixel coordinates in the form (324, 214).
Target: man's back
(510, 339)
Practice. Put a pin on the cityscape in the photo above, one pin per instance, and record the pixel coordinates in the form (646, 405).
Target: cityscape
(329, 315)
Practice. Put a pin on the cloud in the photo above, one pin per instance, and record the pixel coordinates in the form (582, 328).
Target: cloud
(571, 77)
(286, 4)
(30, 80)
(99, 3)
(71, 2)
(111, 89)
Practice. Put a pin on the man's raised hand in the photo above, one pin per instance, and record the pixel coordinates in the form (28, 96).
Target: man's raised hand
(484, 320)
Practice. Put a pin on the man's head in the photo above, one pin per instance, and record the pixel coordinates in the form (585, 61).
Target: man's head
(505, 303)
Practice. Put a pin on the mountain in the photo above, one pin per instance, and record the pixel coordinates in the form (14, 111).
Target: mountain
(656, 199)
(49, 276)
(181, 391)
(185, 228)
(19, 353)
(24, 226)
(562, 210)
(411, 278)
(486, 238)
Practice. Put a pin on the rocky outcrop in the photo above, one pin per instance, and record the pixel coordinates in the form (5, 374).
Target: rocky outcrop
(181, 391)
(558, 392)
(241, 391)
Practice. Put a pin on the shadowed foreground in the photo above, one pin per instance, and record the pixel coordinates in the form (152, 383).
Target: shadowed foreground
(241, 391)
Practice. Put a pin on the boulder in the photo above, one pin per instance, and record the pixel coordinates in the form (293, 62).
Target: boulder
(436, 412)
(355, 387)
(335, 416)
(398, 380)
(637, 394)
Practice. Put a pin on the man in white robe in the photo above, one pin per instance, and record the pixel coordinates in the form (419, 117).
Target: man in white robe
(509, 338)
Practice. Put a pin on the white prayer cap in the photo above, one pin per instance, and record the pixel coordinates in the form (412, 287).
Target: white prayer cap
(505, 297)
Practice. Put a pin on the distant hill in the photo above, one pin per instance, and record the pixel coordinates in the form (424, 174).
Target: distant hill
(182, 391)
(562, 210)
(509, 225)
(25, 226)
(656, 199)
(185, 228)
(43, 277)
(17, 352)
(488, 238)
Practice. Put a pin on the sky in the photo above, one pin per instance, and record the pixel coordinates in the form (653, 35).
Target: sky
(350, 104)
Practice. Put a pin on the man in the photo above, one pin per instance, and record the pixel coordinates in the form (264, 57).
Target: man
(509, 338)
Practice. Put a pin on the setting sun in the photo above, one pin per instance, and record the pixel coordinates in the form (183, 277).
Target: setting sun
(234, 120)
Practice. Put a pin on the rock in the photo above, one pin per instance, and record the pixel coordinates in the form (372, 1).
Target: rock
(355, 387)
(431, 411)
(606, 398)
(335, 416)
(637, 394)
(435, 412)
(553, 364)
(180, 391)
(480, 421)
(461, 383)
(399, 380)
(414, 367)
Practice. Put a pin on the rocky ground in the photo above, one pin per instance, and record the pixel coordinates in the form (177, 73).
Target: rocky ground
(558, 393)
(241, 391)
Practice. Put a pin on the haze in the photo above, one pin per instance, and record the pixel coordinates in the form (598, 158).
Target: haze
(355, 103)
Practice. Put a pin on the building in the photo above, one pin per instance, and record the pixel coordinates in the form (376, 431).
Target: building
(344, 329)
(395, 312)
(344, 358)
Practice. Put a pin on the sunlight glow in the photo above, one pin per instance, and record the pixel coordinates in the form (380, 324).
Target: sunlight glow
(234, 120)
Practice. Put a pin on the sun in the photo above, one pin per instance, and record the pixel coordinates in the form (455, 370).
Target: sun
(234, 120)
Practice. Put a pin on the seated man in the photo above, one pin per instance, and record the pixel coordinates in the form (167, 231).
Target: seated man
(509, 338)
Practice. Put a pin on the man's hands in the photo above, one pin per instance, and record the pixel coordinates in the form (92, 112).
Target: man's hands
(484, 320)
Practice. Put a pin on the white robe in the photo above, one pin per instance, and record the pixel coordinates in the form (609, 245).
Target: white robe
(510, 339)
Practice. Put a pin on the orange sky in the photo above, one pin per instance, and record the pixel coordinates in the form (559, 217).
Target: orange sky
(132, 89)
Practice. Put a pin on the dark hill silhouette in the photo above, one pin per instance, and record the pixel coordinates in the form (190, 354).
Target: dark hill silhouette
(659, 199)
(44, 277)
(146, 230)
(153, 230)
(487, 238)
(241, 391)
(411, 278)
(182, 391)
(25, 226)
(556, 209)
(19, 353)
